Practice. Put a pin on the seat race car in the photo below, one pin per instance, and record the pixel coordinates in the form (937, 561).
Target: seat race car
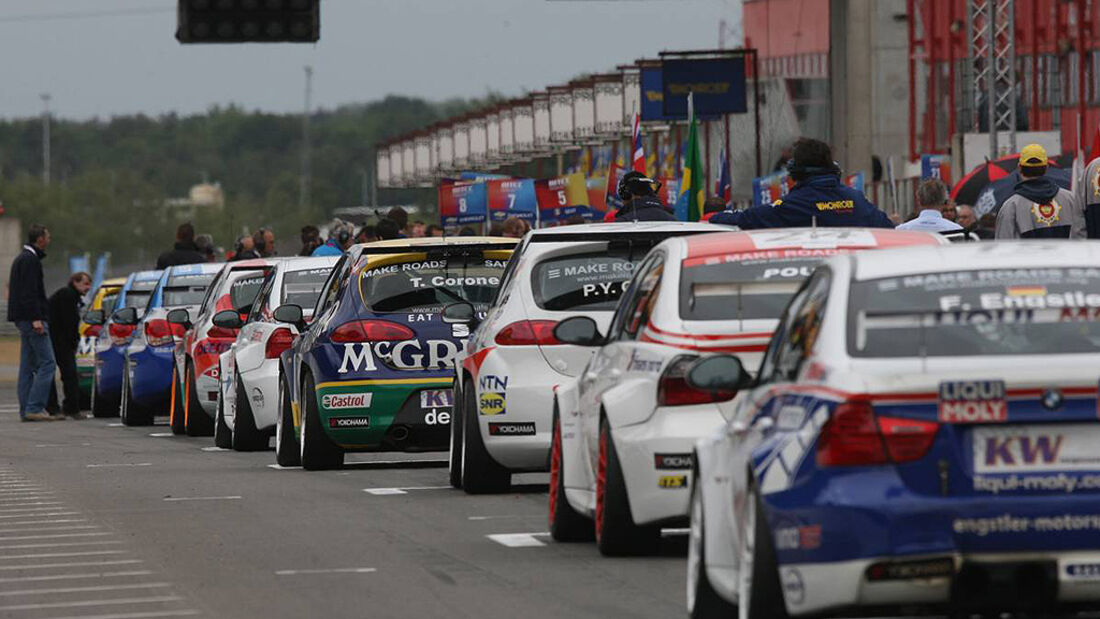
(921, 437)
(150, 355)
(249, 370)
(195, 382)
(113, 338)
(625, 427)
(102, 304)
(373, 371)
(505, 379)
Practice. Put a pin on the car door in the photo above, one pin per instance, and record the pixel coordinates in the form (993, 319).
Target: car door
(327, 305)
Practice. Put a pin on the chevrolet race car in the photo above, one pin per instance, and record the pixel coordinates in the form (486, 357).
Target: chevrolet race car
(150, 355)
(113, 338)
(504, 381)
(921, 437)
(625, 428)
(195, 381)
(249, 370)
(102, 305)
(373, 371)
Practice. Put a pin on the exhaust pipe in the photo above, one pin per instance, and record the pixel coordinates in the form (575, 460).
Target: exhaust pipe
(399, 433)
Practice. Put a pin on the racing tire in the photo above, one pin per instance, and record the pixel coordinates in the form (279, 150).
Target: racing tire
(703, 602)
(195, 420)
(287, 451)
(480, 473)
(246, 436)
(175, 411)
(566, 525)
(223, 436)
(101, 407)
(760, 593)
(616, 533)
(319, 453)
(454, 466)
(132, 413)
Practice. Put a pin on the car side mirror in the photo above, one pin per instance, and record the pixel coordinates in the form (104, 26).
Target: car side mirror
(125, 316)
(227, 319)
(179, 316)
(579, 331)
(460, 314)
(291, 314)
(718, 373)
(94, 317)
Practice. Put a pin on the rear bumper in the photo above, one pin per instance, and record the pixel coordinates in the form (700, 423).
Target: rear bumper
(385, 414)
(151, 375)
(108, 372)
(261, 385)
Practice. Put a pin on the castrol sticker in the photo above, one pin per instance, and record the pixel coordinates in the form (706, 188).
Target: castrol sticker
(338, 401)
(973, 401)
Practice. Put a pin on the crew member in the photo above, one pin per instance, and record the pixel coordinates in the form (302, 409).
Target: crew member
(341, 236)
(640, 201)
(64, 317)
(1038, 208)
(932, 200)
(1088, 196)
(818, 197)
(184, 251)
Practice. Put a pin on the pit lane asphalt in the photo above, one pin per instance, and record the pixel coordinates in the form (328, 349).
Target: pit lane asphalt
(165, 539)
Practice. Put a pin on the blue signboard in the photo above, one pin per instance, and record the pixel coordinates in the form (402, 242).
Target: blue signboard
(717, 83)
(652, 94)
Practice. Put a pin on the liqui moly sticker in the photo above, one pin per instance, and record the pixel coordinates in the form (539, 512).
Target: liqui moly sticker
(337, 401)
(973, 401)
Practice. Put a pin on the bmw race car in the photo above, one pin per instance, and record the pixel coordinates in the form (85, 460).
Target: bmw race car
(373, 371)
(625, 428)
(150, 355)
(249, 370)
(195, 381)
(921, 437)
(504, 381)
(114, 337)
(102, 304)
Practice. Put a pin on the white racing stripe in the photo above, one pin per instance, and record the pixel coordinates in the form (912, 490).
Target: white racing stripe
(145, 585)
(335, 570)
(80, 603)
(518, 540)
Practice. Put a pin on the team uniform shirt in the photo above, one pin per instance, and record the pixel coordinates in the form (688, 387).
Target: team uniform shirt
(819, 200)
(330, 248)
(1040, 209)
(931, 220)
(1088, 196)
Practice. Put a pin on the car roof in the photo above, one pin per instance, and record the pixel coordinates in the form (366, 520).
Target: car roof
(806, 238)
(975, 256)
(627, 226)
(113, 282)
(435, 241)
(141, 276)
(196, 269)
(306, 263)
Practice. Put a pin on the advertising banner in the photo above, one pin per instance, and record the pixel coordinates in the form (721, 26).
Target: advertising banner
(611, 194)
(561, 197)
(669, 191)
(935, 166)
(768, 189)
(718, 85)
(597, 195)
(462, 203)
(513, 197)
(855, 181)
(653, 98)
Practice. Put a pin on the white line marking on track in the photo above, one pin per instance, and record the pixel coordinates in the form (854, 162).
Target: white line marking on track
(279, 467)
(79, 603)
(49, 529)
(75, 564)
(376, 462)
(81, 576)
(518, 540)
(31, 509)
(392, 491)
(59, 545)
(43, 521)
(114, 425)
(103, 466)
(498, 517)
(148, 615)
(8, 539)
(335, 570)
(144, 585)
(202, 498)
(213, 449)
(161, 435)
(64, 554)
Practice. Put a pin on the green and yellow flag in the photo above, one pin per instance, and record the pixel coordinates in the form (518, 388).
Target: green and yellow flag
(693, 184)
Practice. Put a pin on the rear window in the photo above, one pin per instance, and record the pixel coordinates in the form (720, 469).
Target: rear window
(745, 286)
(428, 285)
(186, 289)
(303, 287)
(139, 293)
(108, 302)
(243, 290)
(592, 282)
(992, 312)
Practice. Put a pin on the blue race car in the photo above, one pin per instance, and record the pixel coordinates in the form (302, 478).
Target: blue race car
(373, 371)
(110, 346)
(149, 357)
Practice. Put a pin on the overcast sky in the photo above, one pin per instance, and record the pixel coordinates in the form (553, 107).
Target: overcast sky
(109, 57)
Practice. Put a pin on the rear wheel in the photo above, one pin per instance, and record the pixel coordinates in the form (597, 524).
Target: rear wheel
(760, 594)
(246, 437)
(175, 413)
(616, 533)
(703, 602)
(287, 451)
(318, 451)
(101, 406)
(455, 464)
(195, 420)
(480, 473)
(132, 413)
(566, 525)
(223, 436)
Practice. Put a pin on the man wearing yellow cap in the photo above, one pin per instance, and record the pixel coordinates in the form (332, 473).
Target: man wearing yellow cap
(1038, 208)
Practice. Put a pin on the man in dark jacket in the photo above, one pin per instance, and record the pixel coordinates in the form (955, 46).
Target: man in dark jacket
(818, 197)
(185, 251)
(28, 309)
(65, 306)
(1038, 208)
(640, 201)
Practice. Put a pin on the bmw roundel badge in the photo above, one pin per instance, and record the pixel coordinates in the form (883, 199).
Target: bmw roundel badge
(1052, 399)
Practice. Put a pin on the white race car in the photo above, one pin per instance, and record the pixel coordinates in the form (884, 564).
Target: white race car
(506, 376)
(623, 434)
(249, 370)
(921, 437)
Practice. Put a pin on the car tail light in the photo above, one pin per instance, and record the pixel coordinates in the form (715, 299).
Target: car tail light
(178, 330)
(119, 333)
(854, 437)
(279, 340)
(674, 390)
(158, 332)
(371, 331)
(528, 333)
(222, 333)
(93, 330)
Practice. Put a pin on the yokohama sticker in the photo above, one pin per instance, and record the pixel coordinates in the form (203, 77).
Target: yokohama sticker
(337, 401)
(348, 422)
(672, 461)
(512, 429)
(973, 401)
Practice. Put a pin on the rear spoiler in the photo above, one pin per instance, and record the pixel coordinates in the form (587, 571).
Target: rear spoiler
(442, 250)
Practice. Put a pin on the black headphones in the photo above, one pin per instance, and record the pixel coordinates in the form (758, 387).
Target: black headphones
(623, 190)
(803, 171)
(342, 235)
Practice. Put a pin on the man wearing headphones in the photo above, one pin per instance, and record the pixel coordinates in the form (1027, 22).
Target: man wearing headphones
(640, 201)
(340, 238)
(818, 197)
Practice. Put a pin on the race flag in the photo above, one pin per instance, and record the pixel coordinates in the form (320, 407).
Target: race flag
(639, 152)
(722, 183)
(693, 186)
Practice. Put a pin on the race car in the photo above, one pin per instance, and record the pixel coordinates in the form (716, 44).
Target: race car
(195, 381)
(102, 304)
(113, 338)
(625, 428)
(920, 438)
(150, 355)
(505, 379)
(249, 370)
(373, 371)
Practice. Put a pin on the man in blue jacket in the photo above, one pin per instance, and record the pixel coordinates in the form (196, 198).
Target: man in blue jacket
(818, 197)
